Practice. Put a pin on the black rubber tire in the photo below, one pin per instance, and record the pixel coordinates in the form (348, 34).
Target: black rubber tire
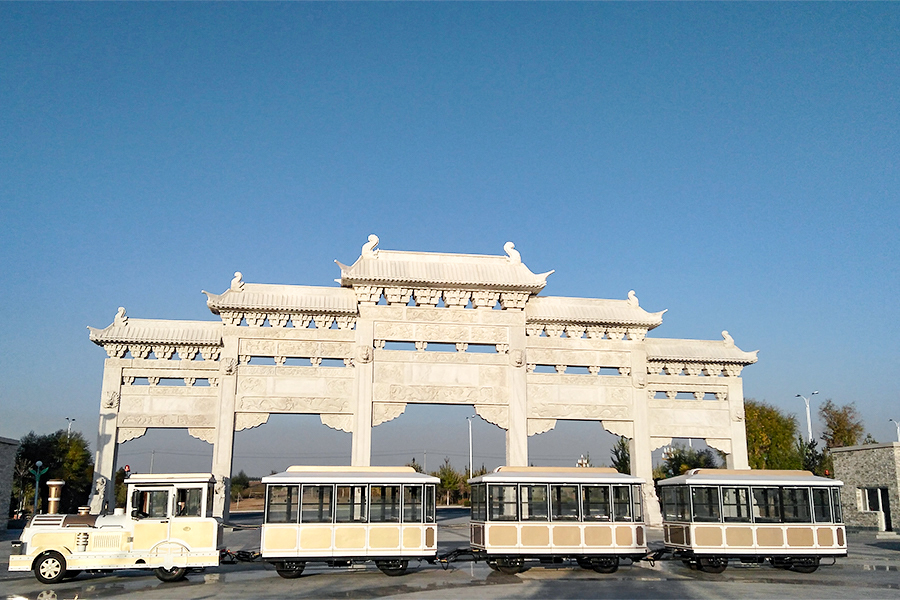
(510, 566)
(50, 568)
(392, 568)
(293, 572)
(584, 563)
(71, 574)
(170, 575)
(606, 565)
(493, 565)
(713, 564)
(806, 566)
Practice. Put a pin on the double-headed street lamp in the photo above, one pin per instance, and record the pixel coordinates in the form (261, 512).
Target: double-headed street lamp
(808, 420)
(69, 428)
(898, 429)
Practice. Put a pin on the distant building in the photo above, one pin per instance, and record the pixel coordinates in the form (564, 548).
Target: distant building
(8, 449)
(871, 476)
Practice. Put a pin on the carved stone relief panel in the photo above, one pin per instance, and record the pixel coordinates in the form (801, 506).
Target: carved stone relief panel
(303, 405)
(207, 434)
(537, 426)
(130, 433)
(498, 415)
(685, 418)
(623, 428)
(578, 412)
(382, 412)
(571, 393)
(244, 421)
(722, 444)
(339, 422)
(439, 394)
(130, 421)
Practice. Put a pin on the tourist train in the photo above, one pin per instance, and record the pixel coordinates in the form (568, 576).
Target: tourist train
(339, 516)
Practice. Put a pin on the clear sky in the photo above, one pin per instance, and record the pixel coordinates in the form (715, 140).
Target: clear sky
(736, 164)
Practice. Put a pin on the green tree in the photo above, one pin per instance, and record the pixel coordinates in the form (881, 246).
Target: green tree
(239, 483)
(771, 436)
(418, 468)
(814, 460)
(121, 489)
(621, 456)
(870, 439)
(843, 425)
(451, 480)
(67, 457)
(678, 460)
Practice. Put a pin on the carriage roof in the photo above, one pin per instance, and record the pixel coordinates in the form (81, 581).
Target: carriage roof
(349, 475)
(750, 477)
(556, 475)
(169, 478)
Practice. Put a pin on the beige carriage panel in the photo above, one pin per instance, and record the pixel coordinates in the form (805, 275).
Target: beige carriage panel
(740, 537)
(800, 537)
(536, 535)
(384, 537)
(564, 535)
(624, 536)
(502, 535)
(770, 537)
(412, 537)
(196, 534)
(148, 534)
(708, 536)
(105, 542)
(840, 536)
(350, 537)
(429, 537)
(280, 538)
(639, 533)
(598, 536)
(58, 539)
(315, 538)
(825, 536)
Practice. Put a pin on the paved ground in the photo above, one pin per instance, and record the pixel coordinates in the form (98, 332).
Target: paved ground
(871, 571)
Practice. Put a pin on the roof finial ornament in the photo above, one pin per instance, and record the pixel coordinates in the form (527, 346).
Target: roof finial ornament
(120, 319)
(633, 299)
(370, 248)
(512, 255)
(729, 341)
(237, 284)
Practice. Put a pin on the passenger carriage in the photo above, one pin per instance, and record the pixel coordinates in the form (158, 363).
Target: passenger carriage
(591, 515)
(167, 525)
(790, 518)
(343, 515)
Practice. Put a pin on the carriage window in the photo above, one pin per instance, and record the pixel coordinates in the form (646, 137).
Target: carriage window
(621, 502)
(795, 505)
(283, 505)
(564, 502)
(316, 504)
(187, 502)
(153, 504)
(595, 502)
(705, 501)
(822, 505)
(351, 504)
(736, 505)
(636, 503)
(210, 495)
(502, 500)
(479, 503)
(766, 505)
(836, 503)
(534, 503)
(675, 503)
(429, 504)
(385, 504)
(412, 503)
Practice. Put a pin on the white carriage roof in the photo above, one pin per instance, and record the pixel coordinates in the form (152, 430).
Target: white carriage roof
(158, 331)
(167, 478)
(661, 349)
(750, 477)
(556, 475)
(550, 309)
(284, 298)
(349, 475)
(435, 270)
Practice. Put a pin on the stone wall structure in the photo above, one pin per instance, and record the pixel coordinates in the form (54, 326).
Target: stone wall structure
(864, 469)
(8, 449)
(364, 354)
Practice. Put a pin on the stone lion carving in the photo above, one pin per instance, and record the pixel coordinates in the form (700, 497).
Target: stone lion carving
(230, 366)
(111, 400)
(512, 255)
(370, 248)
(237, 284)
(120, 320)
(517, 357)
(365, 354)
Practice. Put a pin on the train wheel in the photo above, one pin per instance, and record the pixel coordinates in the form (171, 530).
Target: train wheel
(689, 564)
(50, 568)
(805, 565)
(290, 570)
(606, 565)
(510, 566)
(170, 575)
(713, 564)
(393, 568)
(492, 564)
(584, 563)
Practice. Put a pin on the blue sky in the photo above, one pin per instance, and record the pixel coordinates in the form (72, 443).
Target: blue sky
(736, 164)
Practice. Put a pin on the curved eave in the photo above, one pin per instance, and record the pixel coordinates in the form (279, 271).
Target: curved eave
(661, 350)
(281, 298)
(148, 331)
(589, 311)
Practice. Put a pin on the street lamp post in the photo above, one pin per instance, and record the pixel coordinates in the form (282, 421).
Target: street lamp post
(69, 428)
(898, 429)
(37, 471)
(469, 419)
(808, 419)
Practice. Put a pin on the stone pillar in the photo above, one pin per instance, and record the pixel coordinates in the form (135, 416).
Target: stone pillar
(738, 458)
(640, 446)
(223, 447)
(107, 442)
(364, 364)
(517, 434)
